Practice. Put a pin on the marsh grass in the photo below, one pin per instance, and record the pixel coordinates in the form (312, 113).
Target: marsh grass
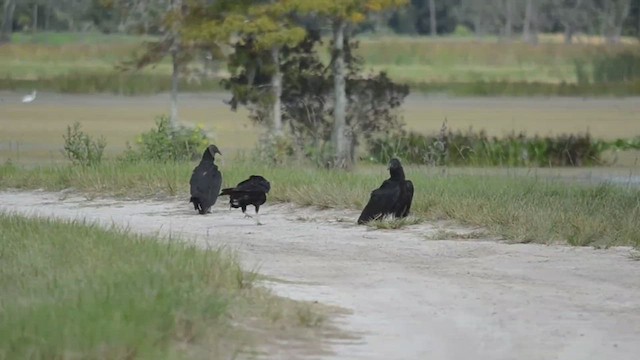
(109, 81)
(84, 63)
(519, 207)
(76, 290)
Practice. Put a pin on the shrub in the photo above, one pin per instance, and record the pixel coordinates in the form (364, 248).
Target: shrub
(163, 143)
(81, 148)
(477, 148)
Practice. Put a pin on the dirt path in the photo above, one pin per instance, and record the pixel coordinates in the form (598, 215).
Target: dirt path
(411, 298)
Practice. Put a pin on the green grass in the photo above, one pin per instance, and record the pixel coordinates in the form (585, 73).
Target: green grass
(461, 67)
(517, 207)
(107, 81)
(74, 290)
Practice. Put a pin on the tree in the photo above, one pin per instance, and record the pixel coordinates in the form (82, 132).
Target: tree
(530, 25)
(612, 15)
(483, 16)
(258, 30)
(307, 95)
(342, 14)
(432, 17)
(7, 21)
(571, 14)
(172, 44)
(271, 28)
(508, 23)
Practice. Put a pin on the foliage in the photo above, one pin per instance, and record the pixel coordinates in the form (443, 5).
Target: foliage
(373, 99)
(307, 97)
(81, 148)
(479, 149)
(353, 11)
(166, 144)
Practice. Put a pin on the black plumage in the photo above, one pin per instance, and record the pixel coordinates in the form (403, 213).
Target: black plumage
(206, 181)
(252, 191)
(393, 197)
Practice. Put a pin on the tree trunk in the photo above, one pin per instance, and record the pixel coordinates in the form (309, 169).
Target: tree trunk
(342, 158)
(432, 18)
(276, 87)
(34, 26)
(173, 120)
(568, 34)
(47, 17)
(477, 27)
(7, 21)
(620, 13)
(530, 29)
(176, 6)
(508, 25)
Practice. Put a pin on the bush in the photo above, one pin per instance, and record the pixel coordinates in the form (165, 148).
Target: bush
(80, 148)
(163, 143)
(479, 149)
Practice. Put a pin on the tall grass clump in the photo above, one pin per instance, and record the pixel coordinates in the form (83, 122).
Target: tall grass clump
(80, 148)
(620, 67)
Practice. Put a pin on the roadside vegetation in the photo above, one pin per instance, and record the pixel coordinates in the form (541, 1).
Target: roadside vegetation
(76, 290)
(476, 148)
(516, 206)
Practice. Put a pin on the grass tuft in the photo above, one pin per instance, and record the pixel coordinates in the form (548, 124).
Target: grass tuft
(390, 222)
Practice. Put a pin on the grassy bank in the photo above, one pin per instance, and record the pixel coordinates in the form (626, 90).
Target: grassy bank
(519, 208)
(72, 290)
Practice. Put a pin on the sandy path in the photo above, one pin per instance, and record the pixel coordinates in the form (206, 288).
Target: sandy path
(411, 298)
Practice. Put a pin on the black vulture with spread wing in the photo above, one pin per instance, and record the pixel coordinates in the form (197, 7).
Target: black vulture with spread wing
(206, 181)
(252, 191)
(393, 197)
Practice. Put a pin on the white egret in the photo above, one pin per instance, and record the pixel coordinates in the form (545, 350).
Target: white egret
(29, 98)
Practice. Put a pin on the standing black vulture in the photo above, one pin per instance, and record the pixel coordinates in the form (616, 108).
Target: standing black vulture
(206, 181)
(252, 191)
(393, 197)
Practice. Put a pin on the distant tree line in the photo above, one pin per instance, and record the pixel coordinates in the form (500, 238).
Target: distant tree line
(509, 18)
(504, 18)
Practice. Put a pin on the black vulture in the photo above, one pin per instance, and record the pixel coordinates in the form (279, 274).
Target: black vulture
(206, 181)
(252, 191)
(393, 197)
